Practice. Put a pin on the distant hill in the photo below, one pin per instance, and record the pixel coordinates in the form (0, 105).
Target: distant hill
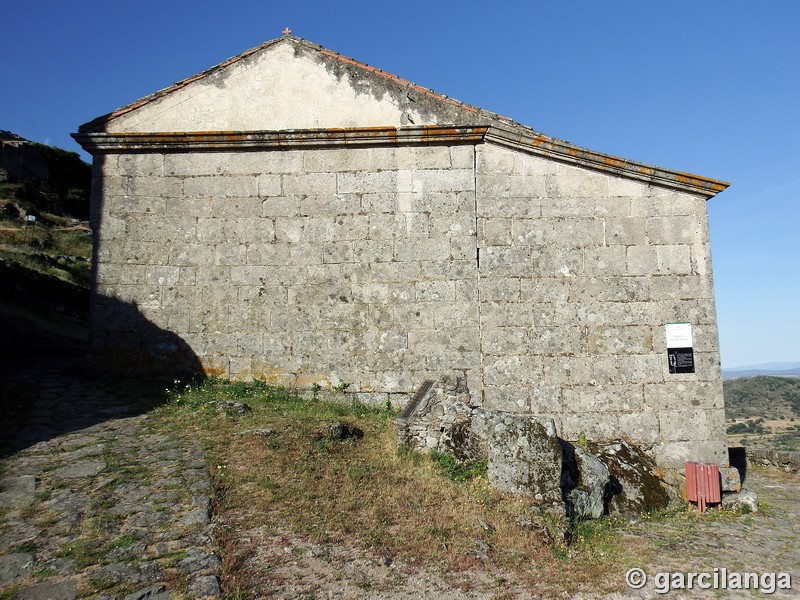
(763, 411)
(783, 369)
(762, 396)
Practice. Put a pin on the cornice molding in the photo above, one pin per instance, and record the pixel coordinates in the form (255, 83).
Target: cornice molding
(103, 143)
(517, 138)
(548, 147)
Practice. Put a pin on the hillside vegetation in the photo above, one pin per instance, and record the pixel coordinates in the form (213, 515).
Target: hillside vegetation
(45, 242)
(763, 412)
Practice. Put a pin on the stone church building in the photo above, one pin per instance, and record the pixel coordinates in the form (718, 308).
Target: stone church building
(301, 218)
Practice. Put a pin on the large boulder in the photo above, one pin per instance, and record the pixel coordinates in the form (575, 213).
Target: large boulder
(525, 457)
(634, 488)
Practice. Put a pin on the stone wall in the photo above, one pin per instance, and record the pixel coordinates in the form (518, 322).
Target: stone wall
(579, 273)
(297, 267)
(547, 285)
(787, 460)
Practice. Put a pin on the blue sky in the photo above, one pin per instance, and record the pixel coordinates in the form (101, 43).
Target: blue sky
(710, 87)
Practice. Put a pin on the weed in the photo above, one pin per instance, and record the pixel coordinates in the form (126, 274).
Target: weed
(236, 593)
(124, 541)
(9, 593)
(99, 584)
(560, 552)
(102, 504)
(112, 462)
(407, 454)
(268, 483)
(42, 496)
(600, 536)
(358, 408)
(451, 468)
(27, 547)
(48, 519)
(84, 552)
(173, 558)
(45, 572)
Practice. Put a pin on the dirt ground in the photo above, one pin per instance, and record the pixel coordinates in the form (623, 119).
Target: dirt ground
(763, 542)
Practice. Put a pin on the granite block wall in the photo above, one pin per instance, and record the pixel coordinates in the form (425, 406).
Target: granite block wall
(301, 266)
(579, 273)
(548, 286)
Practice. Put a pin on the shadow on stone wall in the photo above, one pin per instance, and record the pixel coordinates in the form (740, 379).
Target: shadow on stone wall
(53, 383)
(125, 341)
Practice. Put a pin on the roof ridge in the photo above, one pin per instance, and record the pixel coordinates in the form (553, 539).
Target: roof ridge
(86, 127)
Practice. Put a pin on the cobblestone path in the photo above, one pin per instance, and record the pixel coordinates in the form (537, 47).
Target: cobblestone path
(94, 503)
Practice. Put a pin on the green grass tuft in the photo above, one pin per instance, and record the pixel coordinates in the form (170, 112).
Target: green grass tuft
(454, 470)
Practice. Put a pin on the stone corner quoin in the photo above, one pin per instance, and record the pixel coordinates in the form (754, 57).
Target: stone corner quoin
(347, 226)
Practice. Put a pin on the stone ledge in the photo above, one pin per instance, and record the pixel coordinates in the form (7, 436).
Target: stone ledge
(544, 145)
(518, 138)
(179, 141)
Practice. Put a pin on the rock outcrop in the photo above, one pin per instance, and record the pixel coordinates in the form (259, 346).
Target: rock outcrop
(526, 456)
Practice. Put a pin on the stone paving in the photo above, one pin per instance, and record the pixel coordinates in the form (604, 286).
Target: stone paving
(95, 503)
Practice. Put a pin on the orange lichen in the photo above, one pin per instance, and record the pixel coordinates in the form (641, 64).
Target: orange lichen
(613, 161)
(214, 372)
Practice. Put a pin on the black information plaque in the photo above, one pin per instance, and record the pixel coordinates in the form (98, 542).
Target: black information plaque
(681, 360)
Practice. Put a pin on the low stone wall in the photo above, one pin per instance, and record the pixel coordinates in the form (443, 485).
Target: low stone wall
(440, 417)
(787, 460)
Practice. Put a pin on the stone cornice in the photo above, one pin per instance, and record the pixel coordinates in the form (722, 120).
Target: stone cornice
(532, 142)
(101, 143)
(515, 137)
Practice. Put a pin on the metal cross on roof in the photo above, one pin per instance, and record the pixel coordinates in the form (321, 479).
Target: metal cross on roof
(286, 31)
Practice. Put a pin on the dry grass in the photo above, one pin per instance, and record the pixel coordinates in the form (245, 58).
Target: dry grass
(371, 495)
